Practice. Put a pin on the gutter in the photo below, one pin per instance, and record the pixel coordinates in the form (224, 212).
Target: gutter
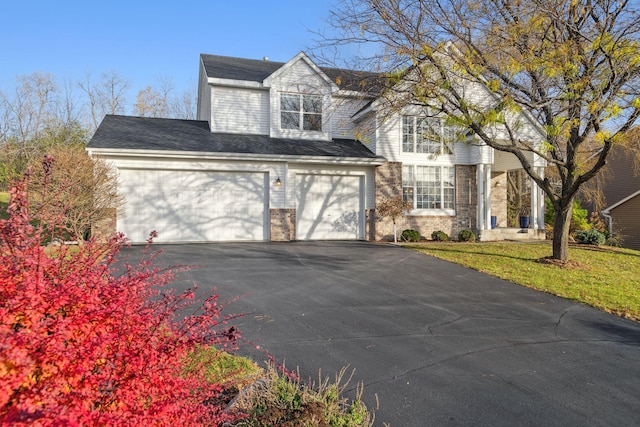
(198, 155)
(607, 214)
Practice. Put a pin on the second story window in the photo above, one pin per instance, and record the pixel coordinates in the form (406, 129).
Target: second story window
(301, 112)
(428, 135)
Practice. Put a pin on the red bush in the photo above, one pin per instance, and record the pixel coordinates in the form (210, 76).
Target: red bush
(83, 342)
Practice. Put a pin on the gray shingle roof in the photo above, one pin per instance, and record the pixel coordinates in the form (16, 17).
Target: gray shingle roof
(144, 133)
(227, 67)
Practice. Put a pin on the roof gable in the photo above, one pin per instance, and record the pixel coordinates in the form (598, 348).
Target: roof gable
(301, 57)
(621, 202)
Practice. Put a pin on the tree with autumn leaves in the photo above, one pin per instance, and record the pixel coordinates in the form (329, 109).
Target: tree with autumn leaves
(571, 67)
(88, 340)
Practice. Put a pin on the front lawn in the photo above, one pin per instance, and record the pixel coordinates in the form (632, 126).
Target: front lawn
(603, 277)
(4, 203)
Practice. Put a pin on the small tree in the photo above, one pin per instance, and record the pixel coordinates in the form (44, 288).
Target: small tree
(80, 190)
(392, 208)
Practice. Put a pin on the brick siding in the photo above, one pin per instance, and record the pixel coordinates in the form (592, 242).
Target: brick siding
(388, 180)
(282, 225)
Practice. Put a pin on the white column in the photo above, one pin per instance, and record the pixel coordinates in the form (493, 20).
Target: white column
(537, 202)
(487, 200)
(534, 204)
(480, 197)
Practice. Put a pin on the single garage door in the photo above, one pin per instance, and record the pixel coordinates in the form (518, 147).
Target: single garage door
(329, 207)
(193, 206)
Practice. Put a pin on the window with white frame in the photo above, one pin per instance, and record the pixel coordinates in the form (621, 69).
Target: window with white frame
(429, 135)
(301, 112)
(429, 187)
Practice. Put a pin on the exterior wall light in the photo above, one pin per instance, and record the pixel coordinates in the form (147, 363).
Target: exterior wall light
(278, 183)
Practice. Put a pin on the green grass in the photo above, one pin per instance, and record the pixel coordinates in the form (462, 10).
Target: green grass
(4, 204)
(603, 277)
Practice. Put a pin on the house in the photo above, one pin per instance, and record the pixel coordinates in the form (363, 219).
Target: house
(622, 197)
(624, 220)
(293, 151)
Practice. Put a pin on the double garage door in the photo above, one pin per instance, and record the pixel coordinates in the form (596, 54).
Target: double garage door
(193, 206)
(199, 206)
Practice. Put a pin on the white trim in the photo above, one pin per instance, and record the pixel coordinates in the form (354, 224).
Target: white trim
(235, 83)
(623, 201)
(236, 156)
(300, 56)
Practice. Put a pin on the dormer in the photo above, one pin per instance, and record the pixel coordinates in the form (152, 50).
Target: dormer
(283, 100)
(300, 100)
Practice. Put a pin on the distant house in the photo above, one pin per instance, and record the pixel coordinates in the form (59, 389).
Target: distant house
(622, 198)
(292, 151)
(625, 220)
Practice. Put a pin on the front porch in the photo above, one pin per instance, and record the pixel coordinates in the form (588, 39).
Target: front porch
(493, 219)
(507, 233)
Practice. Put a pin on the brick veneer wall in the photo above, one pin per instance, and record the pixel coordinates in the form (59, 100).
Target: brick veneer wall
(282, 224)
(388, 181)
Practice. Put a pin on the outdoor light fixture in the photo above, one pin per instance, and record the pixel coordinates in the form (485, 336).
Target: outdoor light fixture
(278, 182)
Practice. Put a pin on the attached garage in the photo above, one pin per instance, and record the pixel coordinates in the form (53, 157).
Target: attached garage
(193, 206)
(329, 207)
(192, 185)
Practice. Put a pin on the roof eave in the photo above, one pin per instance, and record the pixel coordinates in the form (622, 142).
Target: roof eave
(169, 154)
(621, 202)
(217, 81)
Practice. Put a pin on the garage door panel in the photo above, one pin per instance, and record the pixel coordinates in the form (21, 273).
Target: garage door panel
(193, 206)
(328, 207)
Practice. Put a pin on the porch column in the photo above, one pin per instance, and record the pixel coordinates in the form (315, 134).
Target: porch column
(481, 219)
(484, 196)
(487, 195)
(537, 203)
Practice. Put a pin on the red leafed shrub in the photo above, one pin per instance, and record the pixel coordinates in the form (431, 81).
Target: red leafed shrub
(86, 341)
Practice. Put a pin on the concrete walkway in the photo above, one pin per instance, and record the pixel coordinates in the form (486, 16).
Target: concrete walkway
(439, 344)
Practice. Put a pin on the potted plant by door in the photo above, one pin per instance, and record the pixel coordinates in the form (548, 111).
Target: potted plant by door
(524, 218)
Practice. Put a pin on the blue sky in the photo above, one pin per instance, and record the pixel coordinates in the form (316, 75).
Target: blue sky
(145, 40)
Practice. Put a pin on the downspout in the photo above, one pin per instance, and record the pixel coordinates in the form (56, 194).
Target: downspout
(607, 214)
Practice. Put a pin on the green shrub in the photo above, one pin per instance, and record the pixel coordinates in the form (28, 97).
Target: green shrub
(590, 237)
(440, 236)
(578, 217)
(614, 241)
(411, 235)
(466, 235)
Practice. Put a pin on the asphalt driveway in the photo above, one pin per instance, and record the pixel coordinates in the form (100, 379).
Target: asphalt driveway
(437, 343)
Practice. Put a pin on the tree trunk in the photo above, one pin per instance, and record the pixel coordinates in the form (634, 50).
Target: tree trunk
(561, 231)
(395, 234)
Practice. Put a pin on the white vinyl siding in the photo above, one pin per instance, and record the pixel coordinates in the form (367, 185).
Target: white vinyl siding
(298, 78)
(340, 115)
(240, 110)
